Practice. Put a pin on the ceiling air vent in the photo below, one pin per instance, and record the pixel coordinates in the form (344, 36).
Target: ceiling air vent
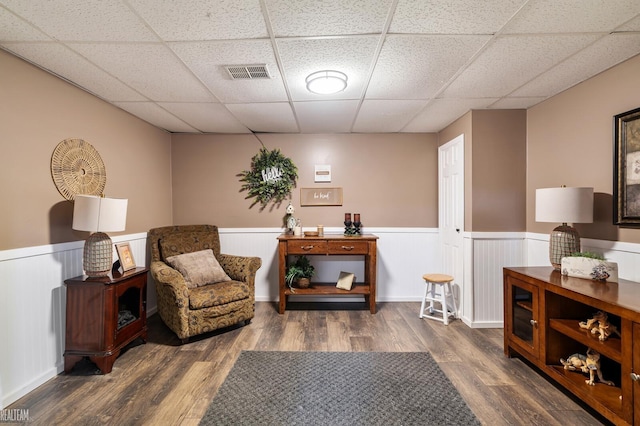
(247, 72)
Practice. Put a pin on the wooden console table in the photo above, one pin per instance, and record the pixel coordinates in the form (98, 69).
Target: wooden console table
(103, 316)
(329, 245)
(542, 312)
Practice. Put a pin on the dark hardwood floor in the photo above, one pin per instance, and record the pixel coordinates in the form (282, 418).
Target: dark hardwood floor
(165, 383)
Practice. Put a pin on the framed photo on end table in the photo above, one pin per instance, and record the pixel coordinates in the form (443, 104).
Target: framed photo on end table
(626, 188)
(126, 256)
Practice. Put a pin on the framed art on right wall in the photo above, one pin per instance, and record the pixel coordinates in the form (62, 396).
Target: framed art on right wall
(626, 188)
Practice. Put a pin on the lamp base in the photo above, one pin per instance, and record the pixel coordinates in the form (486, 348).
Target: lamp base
(564, 241)
(97, 255)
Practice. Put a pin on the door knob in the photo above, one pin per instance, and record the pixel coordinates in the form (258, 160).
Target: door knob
(533, 322)
(635, 377)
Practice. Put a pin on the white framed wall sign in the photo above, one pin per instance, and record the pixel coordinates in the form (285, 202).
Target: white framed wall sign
(323, 173)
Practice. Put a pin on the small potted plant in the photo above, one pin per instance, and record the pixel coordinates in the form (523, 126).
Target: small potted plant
(589, 265)
(299, 272)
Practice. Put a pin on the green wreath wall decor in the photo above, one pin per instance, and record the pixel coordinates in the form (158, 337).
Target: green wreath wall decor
(271, 179)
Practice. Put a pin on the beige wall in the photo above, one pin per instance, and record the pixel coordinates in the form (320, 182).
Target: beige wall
(391, 180)
(495, 168)
(37, 111)
(499, 170)
(570, 143)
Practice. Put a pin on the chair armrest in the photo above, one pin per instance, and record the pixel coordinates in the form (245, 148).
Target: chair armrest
(165, 274)
(171, 289)
(240, 268)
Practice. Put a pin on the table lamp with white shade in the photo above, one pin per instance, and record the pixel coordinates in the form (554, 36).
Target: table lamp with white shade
(564, 205)
(98, 215)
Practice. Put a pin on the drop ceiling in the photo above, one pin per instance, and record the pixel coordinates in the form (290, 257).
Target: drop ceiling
(412, 65)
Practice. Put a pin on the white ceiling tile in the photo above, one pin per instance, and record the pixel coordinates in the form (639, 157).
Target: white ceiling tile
(151, 69)
(512, 61)
(603, 54)
(13, 28)
(439, 113)
(337, 116)
(89, 20)
(206, 60)
(60, 60)
(328, 17)
(352, 56)
(516, 103)
(631, 25)
(416, 67)
(572, 16)
(157, 116)
(207, 118)
(453, 16)
(203, 19)
(383, 116)
(269, 117)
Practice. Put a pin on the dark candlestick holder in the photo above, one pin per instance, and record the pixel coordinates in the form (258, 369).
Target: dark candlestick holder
(351, 229)
(348, 228)
(356, 226)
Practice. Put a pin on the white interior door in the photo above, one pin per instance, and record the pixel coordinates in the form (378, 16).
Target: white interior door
(451, 212)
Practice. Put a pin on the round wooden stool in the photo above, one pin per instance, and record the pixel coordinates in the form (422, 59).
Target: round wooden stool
(436, 289)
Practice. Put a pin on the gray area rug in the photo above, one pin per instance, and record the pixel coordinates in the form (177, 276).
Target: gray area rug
(337, 388)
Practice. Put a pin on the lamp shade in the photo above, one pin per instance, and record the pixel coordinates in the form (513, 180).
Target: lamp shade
(99, 214)
(564, 205)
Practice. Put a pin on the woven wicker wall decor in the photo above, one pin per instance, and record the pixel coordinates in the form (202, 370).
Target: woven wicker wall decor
(76, 168)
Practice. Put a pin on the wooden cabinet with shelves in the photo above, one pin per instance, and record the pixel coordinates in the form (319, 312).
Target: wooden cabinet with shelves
(103, 316)
(557, 304)
(329, 245)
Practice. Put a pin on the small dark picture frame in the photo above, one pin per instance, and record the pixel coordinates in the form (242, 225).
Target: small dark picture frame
(626, 188)
(126, 256)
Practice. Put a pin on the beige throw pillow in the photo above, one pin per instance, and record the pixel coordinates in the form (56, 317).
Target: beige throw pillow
(198, 268)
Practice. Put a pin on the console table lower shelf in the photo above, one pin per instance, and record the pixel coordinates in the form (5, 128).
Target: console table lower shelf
(328, 289)
(329, 245)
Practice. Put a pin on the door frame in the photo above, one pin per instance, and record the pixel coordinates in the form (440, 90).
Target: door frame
(459, 277)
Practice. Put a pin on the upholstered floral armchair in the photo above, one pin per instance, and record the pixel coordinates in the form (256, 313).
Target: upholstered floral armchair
(200, 289)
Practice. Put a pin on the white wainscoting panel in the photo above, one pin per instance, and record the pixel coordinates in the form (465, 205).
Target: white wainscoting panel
(259, 242)
(404, 256)
(537, 249)
(490, 253)
(32, 311)
(465, 291)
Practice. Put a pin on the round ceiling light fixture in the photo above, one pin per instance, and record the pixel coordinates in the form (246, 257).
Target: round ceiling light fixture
(326, 82)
